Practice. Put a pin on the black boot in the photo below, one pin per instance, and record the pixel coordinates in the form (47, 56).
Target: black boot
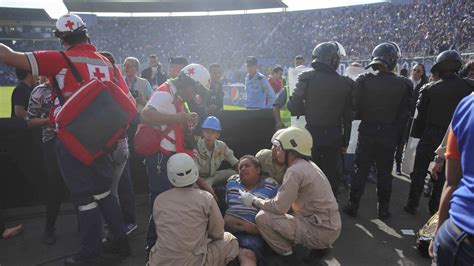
(384, 214)
(78, 260)
(399, 169)
(49, 237)
(350, 210)
(315, 257)
(120, 247)
(409, 208)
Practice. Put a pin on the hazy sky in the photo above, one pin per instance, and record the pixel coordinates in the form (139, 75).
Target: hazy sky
(56, 8)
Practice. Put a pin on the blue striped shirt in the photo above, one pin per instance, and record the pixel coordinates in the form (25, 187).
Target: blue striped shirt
(266, 189)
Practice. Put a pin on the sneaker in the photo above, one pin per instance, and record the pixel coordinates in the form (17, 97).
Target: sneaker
(350, 210)
(129, 228)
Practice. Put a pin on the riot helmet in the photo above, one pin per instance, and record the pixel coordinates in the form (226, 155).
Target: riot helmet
(386, 54)
(328, 53)
(447, 61)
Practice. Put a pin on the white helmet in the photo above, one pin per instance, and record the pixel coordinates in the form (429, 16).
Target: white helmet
(297, 139)
(181, 169)
(198, 73)
(69, 24)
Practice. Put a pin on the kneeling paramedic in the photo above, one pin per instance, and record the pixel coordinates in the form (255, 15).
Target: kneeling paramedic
(189, 225)
(89, 185)
(315, 221)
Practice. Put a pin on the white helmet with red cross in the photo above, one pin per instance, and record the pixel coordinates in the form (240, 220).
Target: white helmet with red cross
(198, 73)
(69, 24)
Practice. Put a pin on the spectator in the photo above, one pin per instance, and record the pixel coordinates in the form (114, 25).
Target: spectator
(276, 79)
(140, 88)
(299, 61)
(215, 98)
(176, 64)
(468, 70)
(453, 241)
(154, 72)
(39, 107)
(404, 73)
(21, 93)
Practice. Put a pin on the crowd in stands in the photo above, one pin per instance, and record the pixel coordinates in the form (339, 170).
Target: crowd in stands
(421, 29)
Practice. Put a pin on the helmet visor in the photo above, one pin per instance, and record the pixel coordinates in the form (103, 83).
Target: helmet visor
(399, 51)
(340, 49)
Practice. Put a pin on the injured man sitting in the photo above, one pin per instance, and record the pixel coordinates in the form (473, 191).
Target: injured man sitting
(239, 219)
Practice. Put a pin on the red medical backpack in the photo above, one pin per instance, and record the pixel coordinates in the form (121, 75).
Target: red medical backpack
(90, 123)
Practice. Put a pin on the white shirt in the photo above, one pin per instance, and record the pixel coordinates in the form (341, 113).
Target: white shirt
(162, 102)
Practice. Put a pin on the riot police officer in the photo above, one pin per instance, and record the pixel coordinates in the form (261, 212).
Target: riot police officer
(436, 104)
(382, 103)
(325, 98)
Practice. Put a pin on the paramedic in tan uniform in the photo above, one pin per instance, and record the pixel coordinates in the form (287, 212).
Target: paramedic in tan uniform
(188, 222)
(315, 221)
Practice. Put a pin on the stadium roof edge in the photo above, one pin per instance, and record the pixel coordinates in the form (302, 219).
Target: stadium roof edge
(16, 13)
(167, 6)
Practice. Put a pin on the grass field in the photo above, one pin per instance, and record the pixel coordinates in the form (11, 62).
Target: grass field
(5, 100)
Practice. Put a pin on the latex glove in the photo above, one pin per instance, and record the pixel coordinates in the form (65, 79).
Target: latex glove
(247, 198)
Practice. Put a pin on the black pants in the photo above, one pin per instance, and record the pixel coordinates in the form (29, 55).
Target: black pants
(56, 191)
(377, 145)
(433, 204)
(402, 141)
(127, 195)
(327, 157)
(425, 152)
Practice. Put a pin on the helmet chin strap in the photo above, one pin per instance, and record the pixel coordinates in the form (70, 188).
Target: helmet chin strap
(286, 158)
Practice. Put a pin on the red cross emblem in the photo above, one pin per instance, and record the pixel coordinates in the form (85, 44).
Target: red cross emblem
(98, 74)
(69, 24)
(190, 71)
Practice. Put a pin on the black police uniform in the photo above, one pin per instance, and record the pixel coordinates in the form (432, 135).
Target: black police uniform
(382, 103)
(325, 98)
(436, 105)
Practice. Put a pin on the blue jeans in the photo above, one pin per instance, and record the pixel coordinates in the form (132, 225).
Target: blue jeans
(453, 246)
(158, 182)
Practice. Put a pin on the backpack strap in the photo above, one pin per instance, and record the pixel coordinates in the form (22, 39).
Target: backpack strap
(74, 70)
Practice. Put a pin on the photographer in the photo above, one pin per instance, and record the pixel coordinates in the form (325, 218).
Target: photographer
(154, 73)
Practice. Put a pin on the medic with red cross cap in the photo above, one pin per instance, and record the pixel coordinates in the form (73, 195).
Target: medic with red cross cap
(168, 109)
(89, 185)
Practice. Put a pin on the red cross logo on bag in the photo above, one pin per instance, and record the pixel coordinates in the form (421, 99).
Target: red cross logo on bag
(99, 75)
(190, 71)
